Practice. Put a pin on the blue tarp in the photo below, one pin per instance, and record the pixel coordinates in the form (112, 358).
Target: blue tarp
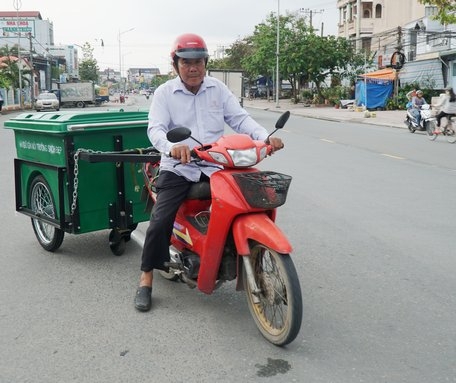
(378, 93)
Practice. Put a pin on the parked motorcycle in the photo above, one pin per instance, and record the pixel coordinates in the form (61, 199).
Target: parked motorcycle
(226, 231)
(427, 120)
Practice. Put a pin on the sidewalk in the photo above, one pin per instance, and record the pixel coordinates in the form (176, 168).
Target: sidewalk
(390, 118)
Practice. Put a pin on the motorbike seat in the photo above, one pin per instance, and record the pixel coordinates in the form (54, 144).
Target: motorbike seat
(200, 190)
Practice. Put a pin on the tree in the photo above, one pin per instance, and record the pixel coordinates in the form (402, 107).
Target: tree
(303, 56)
(9, 73)
(88, 66)
(446, 10)
(234, 56)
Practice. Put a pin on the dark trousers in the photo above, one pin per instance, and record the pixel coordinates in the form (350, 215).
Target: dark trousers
(440, 115)
(171, 192)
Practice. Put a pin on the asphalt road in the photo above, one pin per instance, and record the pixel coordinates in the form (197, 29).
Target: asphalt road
(371, 216)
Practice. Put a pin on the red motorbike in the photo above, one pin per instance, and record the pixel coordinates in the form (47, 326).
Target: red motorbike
(227, 230)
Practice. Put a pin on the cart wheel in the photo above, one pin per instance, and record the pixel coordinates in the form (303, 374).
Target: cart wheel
(117, 242)
(42, 204)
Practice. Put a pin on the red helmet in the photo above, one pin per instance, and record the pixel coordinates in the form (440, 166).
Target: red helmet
(189, 46)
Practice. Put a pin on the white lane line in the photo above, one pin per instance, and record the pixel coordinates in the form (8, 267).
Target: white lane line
(325, 140)
(391, 156)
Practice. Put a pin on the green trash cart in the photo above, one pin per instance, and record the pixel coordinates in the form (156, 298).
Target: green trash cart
(78, 172)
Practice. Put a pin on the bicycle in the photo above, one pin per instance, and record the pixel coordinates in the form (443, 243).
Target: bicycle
(448, 131)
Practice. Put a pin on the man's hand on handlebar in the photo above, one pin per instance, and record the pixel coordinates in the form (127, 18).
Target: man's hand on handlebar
(276, 143)
(181, 152)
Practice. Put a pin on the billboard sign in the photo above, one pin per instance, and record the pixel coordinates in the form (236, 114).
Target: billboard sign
(11, 27)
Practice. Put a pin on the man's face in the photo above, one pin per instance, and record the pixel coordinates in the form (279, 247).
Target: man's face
(192, 71)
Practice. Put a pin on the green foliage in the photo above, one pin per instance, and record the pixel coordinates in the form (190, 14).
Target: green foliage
(304, 57)
(9, 75)
(399, 102)
(88, 66)
(335, 93)
(446, 10)
(234, 56)
(158, 80)
(5, 82)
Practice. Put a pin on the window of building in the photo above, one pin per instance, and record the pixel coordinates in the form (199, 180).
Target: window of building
(367, 14)
(430, 10)
(366, 44)
(378, 11)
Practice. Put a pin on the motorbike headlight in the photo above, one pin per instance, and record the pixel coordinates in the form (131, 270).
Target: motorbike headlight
(263, 153)
(247, 157)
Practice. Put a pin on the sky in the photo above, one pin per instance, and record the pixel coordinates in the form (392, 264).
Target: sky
(148, 28)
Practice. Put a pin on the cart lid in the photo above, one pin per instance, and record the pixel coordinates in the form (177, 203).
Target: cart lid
(73, 121)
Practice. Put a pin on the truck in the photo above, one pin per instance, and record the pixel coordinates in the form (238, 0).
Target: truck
(102, 93)
(77, 94)
(233, 79)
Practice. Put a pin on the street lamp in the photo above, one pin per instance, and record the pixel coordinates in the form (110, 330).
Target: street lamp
(120, 51)
(277, 55)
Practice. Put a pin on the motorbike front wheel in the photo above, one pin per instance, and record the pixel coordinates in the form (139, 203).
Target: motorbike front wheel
(277, 308)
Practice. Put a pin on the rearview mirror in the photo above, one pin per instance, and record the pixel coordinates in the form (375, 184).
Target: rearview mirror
(178, 134)
(282, 120)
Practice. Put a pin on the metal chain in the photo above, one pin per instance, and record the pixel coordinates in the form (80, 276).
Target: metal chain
(76, 173)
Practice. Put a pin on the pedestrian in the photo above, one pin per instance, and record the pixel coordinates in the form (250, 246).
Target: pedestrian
(1, 102)
(446, 107)
(202, 104)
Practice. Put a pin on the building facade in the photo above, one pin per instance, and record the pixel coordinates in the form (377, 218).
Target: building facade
(388, 29)
(35, 38)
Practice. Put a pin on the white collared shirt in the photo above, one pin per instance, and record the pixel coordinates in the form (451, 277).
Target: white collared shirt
(204, 113)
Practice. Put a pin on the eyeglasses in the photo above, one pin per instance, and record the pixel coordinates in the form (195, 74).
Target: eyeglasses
(187, 63)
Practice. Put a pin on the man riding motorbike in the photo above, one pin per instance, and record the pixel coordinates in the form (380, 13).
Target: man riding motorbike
(202, 104)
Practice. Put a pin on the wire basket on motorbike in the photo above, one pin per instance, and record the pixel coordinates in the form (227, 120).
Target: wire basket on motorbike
(264, 190)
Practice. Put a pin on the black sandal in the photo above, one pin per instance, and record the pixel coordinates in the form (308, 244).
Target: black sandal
(143, 298)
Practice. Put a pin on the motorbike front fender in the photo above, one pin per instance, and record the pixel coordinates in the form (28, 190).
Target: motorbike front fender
(260, 228)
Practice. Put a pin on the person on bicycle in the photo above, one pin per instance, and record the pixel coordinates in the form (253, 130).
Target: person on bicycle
(446, 107)
(204, 105)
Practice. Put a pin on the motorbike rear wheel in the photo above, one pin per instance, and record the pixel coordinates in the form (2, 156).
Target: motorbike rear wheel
(430, 130)
(278, 314)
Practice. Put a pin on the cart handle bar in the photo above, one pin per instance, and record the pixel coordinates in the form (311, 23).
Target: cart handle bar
(103, 124)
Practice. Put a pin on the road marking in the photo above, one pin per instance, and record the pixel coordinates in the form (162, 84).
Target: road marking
(325, 140)
(391, 156)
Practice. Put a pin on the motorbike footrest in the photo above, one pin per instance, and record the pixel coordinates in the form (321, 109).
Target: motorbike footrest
(174, 265)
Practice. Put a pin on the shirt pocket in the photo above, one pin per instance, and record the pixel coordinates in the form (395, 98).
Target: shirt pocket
(214, 121)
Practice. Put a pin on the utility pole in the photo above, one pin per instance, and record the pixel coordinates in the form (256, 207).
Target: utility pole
(32, 83)
(311, 12)
(358, 26)
(17, 6)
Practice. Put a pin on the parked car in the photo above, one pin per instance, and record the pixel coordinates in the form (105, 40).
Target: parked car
(286, 90)
(47, 100)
